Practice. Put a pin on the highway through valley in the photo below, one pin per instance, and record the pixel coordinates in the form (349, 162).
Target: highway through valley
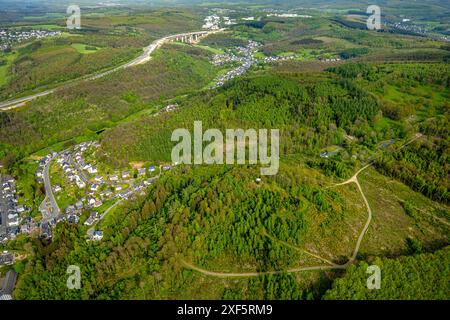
(143, 58)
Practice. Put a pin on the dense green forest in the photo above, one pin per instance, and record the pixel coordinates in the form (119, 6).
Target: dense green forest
(312, 113)
(417, 277)
(347, 99)
(220, 218)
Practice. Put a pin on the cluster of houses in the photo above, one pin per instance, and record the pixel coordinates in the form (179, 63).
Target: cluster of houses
(212, 22)
(93, 218)
(329, 59)
(246, 57)
(11, 36)
(10, 211)
(288, 15)
(228, 21)
(42, 164)
(408, 26)
(73, 165)
(272, 59)
(228, 57)
(28, 225)
(99, 188)
(128, 193)
(87, 202)
(65, 161)
(78, 155)
(12, 215)
(169, 108)
(248, 60)
(6, 258)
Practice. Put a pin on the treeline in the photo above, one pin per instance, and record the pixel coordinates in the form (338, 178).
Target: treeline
(311, 114)
(223, 41)
(349, 23)
(418, 277)
(403, 74)
(88, 107)
(41, 64)
(423, 165)
(353, 53)
(216, 217)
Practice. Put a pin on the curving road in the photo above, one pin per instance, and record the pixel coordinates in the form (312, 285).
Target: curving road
(49, 205)
(143, 58)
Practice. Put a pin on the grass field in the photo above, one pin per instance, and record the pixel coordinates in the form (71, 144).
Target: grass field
(84, 48)
(8, 59)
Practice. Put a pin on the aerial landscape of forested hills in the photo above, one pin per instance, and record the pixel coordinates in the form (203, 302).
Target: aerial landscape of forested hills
(87, 175)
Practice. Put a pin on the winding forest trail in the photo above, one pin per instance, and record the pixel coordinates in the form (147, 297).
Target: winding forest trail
(331, 266)
(353, 179)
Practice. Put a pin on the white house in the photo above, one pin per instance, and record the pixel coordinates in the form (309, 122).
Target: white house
(91, 201)
(92, 170)
(80, 183)
(97, 235)
(13, 220)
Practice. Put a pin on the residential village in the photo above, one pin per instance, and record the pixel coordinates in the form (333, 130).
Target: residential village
(9, 209)
(11, 36)
(79, 189)
(213, 22)
(246, 58)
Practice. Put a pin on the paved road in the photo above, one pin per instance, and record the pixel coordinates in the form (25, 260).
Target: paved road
(9, 283)
(81, 173)
(3, 209)
(91, 230)
(143, 58)
(12, 104)
(49, 201)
